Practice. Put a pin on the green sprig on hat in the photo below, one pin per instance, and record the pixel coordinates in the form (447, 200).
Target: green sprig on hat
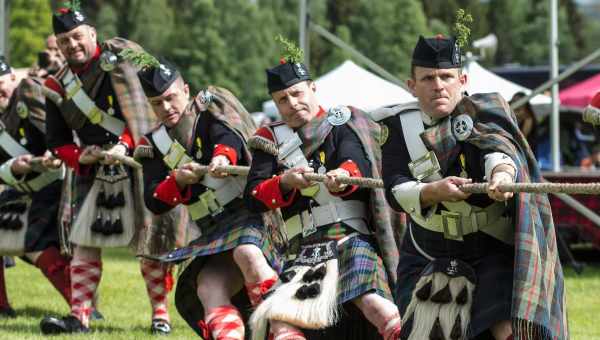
(462, 28)
(73, 5)
(141, 59)
(291, 53)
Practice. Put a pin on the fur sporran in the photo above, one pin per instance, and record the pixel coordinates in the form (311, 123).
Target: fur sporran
(106, 218)
(440, 306)
(306, 293)
(13, 225)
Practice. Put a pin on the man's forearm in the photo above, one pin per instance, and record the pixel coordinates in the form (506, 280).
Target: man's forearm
(428, 195)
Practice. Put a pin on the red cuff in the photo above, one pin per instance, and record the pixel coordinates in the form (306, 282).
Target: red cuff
(354, 171)
(168, 192)
(70, 155)
(265, 132)
(127, 139)
(227, 151)
(53, 85)
(270, 194)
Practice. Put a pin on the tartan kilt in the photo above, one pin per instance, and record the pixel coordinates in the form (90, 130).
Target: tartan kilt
(82, 235)
(361, 269)
(218, 236)
(40, 231)
(493, 292)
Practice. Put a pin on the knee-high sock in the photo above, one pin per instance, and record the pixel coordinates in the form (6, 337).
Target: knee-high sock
(225, 323)
(390, 327)
(156, 275)
(286, 332)
(3, 296)
(56, 269)
(256, 290)
(85, 277)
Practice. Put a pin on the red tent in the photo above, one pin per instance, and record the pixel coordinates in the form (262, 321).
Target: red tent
(580, 94)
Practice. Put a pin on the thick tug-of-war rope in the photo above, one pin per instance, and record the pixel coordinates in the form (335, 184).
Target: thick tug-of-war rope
(36, 162)
(547, 188)
(475, 188)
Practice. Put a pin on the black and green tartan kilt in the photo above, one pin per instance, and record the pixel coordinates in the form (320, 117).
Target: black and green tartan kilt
(42, 230)
(234, 227)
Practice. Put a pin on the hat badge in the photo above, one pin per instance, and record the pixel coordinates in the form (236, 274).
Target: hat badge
(338, 115)
(165, 70)
(462, 125)
(3, 66)
(456, 55)
(300, 70)
(78, 16)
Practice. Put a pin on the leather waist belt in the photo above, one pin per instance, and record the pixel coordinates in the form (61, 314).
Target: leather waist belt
(454, 225)
(41, 181)
(353, 213)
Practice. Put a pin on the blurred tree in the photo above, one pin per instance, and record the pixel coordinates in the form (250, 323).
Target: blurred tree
(386, 31)
(30, 24)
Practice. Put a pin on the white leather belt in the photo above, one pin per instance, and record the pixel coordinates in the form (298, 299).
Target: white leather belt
(41, 181)
(352, 213)
(470, 219)
(10, 145)
(219, 193)
(74, 91)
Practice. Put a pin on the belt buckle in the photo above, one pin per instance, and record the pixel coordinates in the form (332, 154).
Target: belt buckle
(210, 200)
(452, 223)
(307, 228)
(424, 166)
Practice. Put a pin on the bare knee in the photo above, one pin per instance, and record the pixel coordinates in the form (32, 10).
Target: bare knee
(209, 288)
(374, 306)
(247, 256)
(502, 330)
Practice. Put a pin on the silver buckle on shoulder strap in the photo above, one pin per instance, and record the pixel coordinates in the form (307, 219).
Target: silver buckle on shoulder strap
(424, 166)
(452, 223)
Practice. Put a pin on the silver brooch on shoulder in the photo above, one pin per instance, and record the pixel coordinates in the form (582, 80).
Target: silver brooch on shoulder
(338, 115)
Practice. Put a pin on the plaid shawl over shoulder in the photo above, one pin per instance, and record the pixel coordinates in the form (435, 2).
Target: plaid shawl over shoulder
(538, 305)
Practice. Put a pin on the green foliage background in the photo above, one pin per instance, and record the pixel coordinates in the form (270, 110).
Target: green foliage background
(231, 42)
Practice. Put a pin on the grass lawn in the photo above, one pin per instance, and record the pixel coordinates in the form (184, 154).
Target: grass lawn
(124, 303)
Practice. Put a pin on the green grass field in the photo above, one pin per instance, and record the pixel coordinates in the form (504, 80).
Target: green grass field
(124, 303)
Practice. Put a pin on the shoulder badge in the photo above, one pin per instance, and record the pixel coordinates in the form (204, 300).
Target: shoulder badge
(384, 134)
(108, 61)
(339, 115)
(462, 125)
(22, 109)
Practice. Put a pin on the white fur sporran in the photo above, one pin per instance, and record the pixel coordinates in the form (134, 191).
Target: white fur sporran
(440, 306)
(12, 236)
(110, 181)
(296, 299)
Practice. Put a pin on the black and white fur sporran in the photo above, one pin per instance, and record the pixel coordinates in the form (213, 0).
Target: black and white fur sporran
(13, 225)
(440, 305)
(110, 181)
(306, 293)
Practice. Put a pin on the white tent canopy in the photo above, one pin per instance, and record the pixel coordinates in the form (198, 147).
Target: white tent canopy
(481, 80)
(350, 84)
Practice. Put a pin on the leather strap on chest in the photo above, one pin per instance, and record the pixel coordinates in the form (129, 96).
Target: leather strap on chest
(74, 91)
(424, 165)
